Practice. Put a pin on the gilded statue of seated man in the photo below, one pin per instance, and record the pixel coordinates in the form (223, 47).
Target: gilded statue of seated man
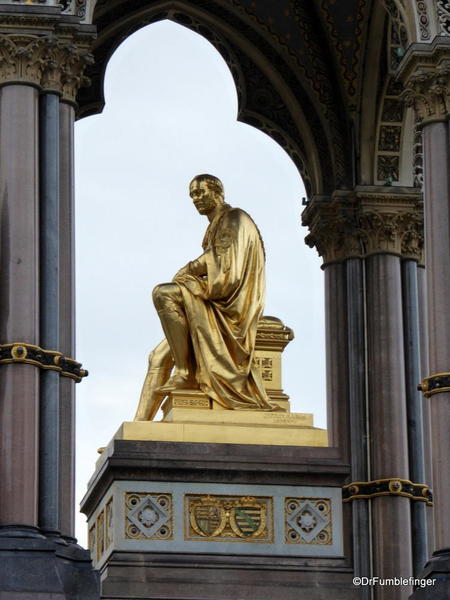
(209, 313)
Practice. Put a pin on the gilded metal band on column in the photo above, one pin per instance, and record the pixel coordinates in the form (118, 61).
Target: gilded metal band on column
(19, 352)
(387, 487)
(435, 384)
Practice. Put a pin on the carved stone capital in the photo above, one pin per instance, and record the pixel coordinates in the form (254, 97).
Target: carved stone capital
(332, 223)
(425, 72)
(53, 63)
(366, 222)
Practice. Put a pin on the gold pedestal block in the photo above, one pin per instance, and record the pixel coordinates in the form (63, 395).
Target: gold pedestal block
(190, 416)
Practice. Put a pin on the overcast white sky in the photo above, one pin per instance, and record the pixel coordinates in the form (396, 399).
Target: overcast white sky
(170, 114)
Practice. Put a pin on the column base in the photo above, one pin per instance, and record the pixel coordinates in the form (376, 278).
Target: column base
(437, 568)
(38, 568)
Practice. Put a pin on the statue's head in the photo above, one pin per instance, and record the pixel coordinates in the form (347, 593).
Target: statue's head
(206, 192)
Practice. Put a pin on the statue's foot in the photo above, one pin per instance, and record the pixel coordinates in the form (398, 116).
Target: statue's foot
(176, 382)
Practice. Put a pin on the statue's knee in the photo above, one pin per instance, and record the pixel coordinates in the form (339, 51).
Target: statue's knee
(158, 296)
(163, 294)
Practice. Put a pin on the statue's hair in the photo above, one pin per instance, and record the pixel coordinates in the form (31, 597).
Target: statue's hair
(213, 183)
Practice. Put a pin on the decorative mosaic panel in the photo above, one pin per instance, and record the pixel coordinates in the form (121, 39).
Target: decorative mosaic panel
(390, 138)
(308, 521)
(100, 534)
(388, 168)
(109, 524)
(148, 516)
(265, 365)
(92, 540)
(228, 518)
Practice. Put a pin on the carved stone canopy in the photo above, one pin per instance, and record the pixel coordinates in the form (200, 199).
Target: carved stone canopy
(364, 222)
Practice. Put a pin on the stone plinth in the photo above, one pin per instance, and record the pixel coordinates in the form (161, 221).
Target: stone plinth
(200, 520)
(190, 416)
(272, 338)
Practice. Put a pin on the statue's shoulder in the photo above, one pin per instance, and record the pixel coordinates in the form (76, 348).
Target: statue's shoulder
(235, 214)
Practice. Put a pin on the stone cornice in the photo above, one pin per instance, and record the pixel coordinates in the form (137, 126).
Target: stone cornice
(425, 73)
(51, 56)
(365, 222)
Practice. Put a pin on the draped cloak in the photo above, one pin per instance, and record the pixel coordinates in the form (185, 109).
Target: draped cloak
(222, 310)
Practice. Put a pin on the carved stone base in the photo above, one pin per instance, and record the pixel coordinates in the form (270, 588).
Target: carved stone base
(33, 568)
(185, 424)
(438, 568)
(190, 521)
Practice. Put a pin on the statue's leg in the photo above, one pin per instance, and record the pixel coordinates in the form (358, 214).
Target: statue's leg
(160, 364)
(168, 302)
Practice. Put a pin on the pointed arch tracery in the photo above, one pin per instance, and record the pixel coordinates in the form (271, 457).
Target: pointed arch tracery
(306, 117)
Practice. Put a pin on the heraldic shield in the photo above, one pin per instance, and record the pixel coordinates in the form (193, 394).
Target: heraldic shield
(229, 518)
(208, 517)
(248, 518)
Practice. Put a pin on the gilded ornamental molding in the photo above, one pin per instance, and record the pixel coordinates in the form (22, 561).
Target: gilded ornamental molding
(387, 487)
(435, 384)
(366, 222)
(22, 352)
(52, 60)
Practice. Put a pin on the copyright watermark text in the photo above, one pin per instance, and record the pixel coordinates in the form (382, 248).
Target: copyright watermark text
(393, 581)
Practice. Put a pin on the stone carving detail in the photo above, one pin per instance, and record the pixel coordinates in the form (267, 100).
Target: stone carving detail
(92, 541)
(265, 365)
(388, 168)
(443, 11)
(394, 232)
(398, 34)
(418, 158)
(392, 111)
(228, 518)
(390, 135)
(390, 138)
(109, 524)
(428, 91)
(333, 229)
(308, 521)
(423, 20)
(49, 62)
(100, 529)
(364, 225)
(148, 516)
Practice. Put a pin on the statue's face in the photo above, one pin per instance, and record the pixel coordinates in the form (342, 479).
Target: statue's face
(204, 199)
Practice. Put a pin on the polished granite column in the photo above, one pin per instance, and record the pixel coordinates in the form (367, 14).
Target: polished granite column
(389, 222)
(67, 319)
(437, 194)
(425, 74)
(19, 308)
(36, 433)
(387, 401)
(334, 231)
(49, 486)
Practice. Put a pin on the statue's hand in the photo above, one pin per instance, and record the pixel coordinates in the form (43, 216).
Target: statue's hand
(183, 271)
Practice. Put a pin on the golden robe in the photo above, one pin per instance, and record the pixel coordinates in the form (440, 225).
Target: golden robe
(222, 309)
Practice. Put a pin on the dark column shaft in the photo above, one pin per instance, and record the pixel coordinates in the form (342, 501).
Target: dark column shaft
(437, 236)
(387, 397)
(424, 371)
(358, 414)
(49, 314)
(414, 409)
(67, 320)
(19, 303)
(337, 368)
